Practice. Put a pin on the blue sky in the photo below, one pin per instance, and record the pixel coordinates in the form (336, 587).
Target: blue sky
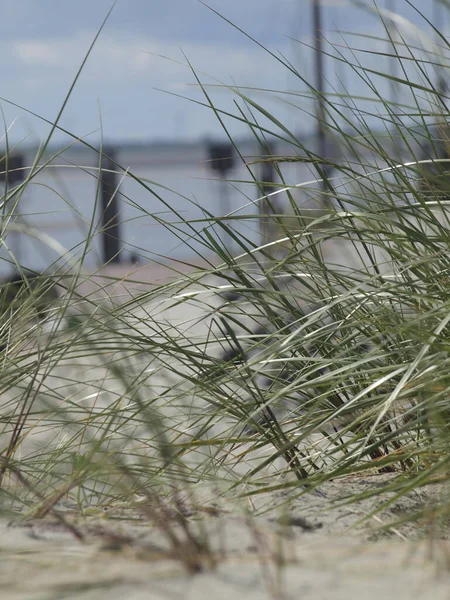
(43, 42)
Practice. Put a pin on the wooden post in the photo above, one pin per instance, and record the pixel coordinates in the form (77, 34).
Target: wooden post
(12, 173)
(320, 78)
(109, 206)
(221, 155)
(268, 206)
(321, 114)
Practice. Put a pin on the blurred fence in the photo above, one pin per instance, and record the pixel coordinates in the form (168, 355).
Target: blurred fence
(160, 198)
(142, 208)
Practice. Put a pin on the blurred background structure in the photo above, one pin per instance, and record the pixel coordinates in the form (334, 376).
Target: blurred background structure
(55, 212)
(177, 145)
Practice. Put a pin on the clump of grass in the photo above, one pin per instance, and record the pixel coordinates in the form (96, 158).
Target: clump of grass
(317, 353)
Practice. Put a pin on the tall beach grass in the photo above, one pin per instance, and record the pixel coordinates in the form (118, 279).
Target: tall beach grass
(320, 352)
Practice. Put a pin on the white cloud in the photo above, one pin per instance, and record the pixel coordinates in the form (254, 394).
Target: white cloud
(121, 75)
(36, 53)
(118, 55)
(125, 66)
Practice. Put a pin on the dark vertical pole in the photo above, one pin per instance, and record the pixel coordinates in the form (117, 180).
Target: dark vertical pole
(442, 123)
(320, 80)
(221, 157)
(11, 172)
(393, 35)
(225, 203)
(390, 5)
(439, 23)
(268, 205)
(267, 171)
(110, 208)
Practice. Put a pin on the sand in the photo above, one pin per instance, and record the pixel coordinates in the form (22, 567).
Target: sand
(312, 549)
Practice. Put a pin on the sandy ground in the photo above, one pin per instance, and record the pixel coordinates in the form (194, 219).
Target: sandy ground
(311, 547)
(314, 548)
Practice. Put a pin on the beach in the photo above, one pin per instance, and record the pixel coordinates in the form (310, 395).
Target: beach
(311, 549)
(301, 544)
